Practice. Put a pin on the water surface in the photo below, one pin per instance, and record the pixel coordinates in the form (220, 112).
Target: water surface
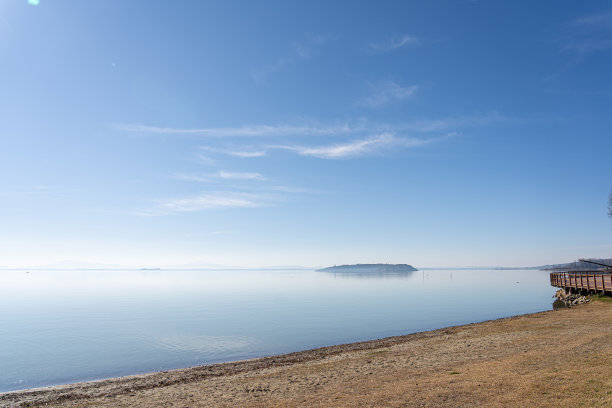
(59, 327)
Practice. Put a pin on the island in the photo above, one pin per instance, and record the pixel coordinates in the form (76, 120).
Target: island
(370, 268)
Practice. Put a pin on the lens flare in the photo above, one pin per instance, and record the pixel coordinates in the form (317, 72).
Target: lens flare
(33, 2)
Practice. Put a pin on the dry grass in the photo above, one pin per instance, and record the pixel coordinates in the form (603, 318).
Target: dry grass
(550, 359)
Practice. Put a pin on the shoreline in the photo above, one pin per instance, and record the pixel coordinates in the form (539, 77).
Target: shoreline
(431, 346)
(287, 358)
(153, 379)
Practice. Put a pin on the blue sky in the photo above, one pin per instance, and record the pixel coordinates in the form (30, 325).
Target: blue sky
(440, 133)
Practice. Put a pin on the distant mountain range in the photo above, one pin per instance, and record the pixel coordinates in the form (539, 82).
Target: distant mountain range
(370, 268)
(355, 269)
(71, 265)
(75, 265)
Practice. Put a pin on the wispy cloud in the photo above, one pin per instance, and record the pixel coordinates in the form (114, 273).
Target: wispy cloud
(203, 202)
(302, 49)
(227, 232)
(588, 34)
(355, 148)
(305, 48)
(582, 37)
(384, 92)
(288, 189)
(452, 122)
(242, 131)
(359, 128)
(601, 21)
(589, 45)
(394, 43)
(226, 175)
(202, 158)
(221, 175)
(239, 153)
(249, 196)
(244, 152)
(35, 191)
(260, 73)
(354, 138)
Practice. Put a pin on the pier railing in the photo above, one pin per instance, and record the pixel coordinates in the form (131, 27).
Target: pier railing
(588, 281)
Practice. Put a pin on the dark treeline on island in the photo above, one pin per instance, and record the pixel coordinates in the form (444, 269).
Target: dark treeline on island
(370, 268)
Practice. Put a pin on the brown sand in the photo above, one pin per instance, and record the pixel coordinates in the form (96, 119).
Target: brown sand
(549, 359)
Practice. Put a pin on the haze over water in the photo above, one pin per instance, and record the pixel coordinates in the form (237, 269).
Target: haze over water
(65, 326)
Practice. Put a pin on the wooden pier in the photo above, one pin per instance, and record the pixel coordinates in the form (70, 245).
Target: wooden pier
(583, 281)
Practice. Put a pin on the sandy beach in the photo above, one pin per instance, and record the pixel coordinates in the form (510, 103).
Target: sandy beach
(554, 358)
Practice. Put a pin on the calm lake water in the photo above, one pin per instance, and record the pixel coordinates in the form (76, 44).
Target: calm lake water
(61, 327)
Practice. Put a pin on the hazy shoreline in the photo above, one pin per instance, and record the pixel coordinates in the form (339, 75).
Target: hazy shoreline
(416, 354)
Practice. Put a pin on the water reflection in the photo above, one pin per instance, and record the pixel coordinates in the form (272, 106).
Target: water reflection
(371, 271)
(356, 274)
(59, 327)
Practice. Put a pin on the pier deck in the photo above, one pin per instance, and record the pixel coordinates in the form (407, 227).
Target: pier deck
(583, 281)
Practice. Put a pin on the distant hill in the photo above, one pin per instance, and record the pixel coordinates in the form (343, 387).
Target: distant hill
(370, 268)
(579, 265)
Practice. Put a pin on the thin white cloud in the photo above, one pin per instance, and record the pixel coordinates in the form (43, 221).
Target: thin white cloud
(262, 72)
(302, 49)
(35, 191)
(597, 21)
(221, 232)
(589, 45)
(358, 128)
(452, 122)
(287, 189)
(204, 178)
(589, 34)
(221, 175)
(354, 148)
(242, 131)
(582, 37)
(237, 153)
(394, 43)
(384, 92)
(357, 139)
(226, 175)
(242, 152)
(253, 196)
(203, 202)
(205, 159)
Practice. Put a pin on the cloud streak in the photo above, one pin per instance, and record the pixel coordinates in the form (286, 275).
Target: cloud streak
(394, 44)
(314, 129)
(582, 37)
(203, 202)
(243, 152)
(221, 175)
(385, 92)
(597, 21)
(357, 139)
(242, 131)
(589, 34)
(240, 176)
(589, 45)
(452, 122)
(354, 148)
(302, 50)
(36, 191)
